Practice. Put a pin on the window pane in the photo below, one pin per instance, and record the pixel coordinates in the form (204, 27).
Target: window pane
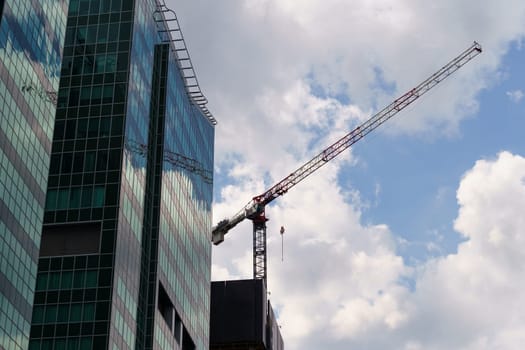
(105, 124)
(67, 162)
(59, 129)
(89, 312)
(120, 92)
(78, 162)
(85, 343)
(63, 199)
(72, 344)
(102, 160)
(51, 200)
(73, 7)
(74, 198)
(113, 32)
(76, 69)
(82, 128)
(47, 345)
(122, 61)
(91, 279)
(125, 31)
(96, 94)
(84, 7)
(63, 313)
(93, 6)
(67, 62)
(107, 94)
(54, 280)
(116, 5)
(100, 63)
(81, 34)
(86, 197)
(60, 344)
(116, 127)
(41, 282)
(98, 199)
(93, 127)
(114, 159)
(79, 279)
(76, 310)
(54, 167)
(71, 127)
(92, 34)
(102, 33)
(34, 345)
(105, 6)
(38, 314)
(111, 63)
(51, 314)
(90, 161)
(67, 280)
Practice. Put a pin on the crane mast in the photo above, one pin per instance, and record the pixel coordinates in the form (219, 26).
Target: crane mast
(255, 209)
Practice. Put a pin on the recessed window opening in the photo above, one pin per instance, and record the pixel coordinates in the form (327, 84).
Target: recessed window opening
(76, 239)
(187, 342)
(177, 329)
(165, 306)
(173, 320)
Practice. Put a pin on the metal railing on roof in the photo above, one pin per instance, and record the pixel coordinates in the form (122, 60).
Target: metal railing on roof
(170, 32)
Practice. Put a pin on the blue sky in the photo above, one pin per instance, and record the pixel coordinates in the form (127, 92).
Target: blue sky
(411, 240)
(418, 177)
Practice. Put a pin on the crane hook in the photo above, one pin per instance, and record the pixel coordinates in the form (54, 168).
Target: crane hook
(282, 243)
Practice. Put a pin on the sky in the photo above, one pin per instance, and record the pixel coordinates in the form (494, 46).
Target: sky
(413, 238)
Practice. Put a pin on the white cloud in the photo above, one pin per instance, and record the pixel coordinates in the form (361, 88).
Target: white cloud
(346, 290)
(474, 297)
(220, 273)
(515, 95)
(274, 72)
(341, 284)
(249, 55)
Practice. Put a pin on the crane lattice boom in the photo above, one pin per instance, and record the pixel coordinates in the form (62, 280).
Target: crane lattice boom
(254, 210)
(368, 126)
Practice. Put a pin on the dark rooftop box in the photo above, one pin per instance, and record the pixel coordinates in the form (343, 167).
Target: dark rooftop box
(238, 315)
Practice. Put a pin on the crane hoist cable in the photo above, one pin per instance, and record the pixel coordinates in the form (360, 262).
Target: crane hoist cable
(255, 209)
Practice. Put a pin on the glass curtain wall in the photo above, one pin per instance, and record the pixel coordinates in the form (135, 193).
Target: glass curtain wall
(31, 43)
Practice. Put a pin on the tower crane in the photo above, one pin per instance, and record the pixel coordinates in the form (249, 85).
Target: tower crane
(255, 209)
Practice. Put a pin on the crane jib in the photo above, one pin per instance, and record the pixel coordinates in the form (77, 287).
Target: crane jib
(257, 204)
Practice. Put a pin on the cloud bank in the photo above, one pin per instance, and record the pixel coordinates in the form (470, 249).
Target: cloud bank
(286, 78)
(350, 289)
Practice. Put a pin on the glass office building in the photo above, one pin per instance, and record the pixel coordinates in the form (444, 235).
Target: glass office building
(125, 253)
(31, 42)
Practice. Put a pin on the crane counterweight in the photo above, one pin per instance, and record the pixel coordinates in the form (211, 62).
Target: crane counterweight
(255, 209)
